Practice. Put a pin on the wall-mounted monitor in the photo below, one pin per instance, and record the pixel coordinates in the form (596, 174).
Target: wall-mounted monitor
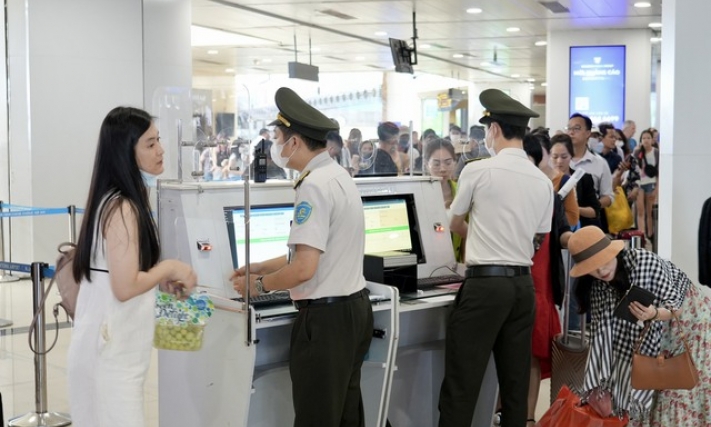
(402, 56)
(269, 232)
(597, 83)
(391, 225)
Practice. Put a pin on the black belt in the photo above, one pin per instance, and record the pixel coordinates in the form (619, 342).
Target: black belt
(497, 271)
(303, 303)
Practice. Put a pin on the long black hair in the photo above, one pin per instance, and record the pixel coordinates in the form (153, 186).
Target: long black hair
(116, 173)
(620, 282)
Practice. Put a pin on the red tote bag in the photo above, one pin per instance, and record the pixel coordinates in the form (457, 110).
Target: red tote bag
(566, 412)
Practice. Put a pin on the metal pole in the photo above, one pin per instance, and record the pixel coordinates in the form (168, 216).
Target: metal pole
(246, 247)
(5, 276)
(655, 218)
(41, 417)
(412, 151)
(72, 223)
(180, 150)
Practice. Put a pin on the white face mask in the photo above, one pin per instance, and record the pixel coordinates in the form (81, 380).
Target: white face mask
(455, 139)
(150, 180)
(489, 142)
(280, 161)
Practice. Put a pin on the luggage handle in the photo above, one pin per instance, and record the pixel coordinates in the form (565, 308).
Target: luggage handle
(566, 307)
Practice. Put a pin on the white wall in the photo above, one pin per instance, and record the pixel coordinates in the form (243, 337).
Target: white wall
(637, 80)
(685, 154)
(82, 58)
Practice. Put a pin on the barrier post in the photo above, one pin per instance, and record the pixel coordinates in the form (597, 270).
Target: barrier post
(655, 218)
(72, 223)
(5, 276)
(41, 417)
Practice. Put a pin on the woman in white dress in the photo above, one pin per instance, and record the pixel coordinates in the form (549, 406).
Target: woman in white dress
(117, 266)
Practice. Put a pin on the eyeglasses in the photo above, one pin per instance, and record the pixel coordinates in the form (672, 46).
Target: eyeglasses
(438, 163)
(574, 128)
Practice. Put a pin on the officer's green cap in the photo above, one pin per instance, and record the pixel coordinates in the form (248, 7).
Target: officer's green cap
(504, 109)
(297, 115)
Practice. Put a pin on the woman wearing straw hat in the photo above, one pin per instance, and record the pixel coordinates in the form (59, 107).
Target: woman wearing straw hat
(607, 270)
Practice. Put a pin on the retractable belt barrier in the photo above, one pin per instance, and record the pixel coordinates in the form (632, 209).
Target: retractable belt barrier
(38, 272)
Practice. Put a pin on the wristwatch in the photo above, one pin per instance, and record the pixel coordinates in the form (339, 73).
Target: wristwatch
(260, 285)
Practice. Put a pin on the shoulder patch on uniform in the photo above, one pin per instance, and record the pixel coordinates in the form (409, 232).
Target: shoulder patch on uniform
(302, 212)
(476, 159)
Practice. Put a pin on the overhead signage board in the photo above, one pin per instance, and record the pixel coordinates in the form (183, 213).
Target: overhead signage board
(597, 83)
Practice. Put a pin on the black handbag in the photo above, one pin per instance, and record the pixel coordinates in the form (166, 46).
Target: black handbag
(650, 170)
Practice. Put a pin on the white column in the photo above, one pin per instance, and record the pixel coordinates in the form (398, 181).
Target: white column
(168, 70)
(70, 63)
(685, 174)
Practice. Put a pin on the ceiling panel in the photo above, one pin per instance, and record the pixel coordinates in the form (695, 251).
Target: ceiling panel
(341, 44)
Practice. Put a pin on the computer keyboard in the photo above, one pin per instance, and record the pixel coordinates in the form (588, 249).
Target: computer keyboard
(270, 299)
(431, 282)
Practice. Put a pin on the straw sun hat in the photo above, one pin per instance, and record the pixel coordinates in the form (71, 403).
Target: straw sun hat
(591, 249)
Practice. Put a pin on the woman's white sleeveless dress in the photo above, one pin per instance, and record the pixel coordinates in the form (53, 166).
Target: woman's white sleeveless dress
(110, 352)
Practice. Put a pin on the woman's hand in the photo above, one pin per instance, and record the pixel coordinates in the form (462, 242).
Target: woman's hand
(643, 313)
(180, 278)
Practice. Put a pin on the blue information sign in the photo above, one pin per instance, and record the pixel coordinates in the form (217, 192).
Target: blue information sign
(597, 83)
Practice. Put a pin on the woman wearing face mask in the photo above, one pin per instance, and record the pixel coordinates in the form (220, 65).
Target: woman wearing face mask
(440, 159)
(118, 268)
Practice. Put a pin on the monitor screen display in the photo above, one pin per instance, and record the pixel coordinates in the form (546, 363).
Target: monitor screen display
(597, 83)
(269, 232)
(391, 225)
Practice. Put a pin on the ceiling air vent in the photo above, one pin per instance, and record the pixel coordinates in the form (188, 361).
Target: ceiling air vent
(336, 14)
(554, 6)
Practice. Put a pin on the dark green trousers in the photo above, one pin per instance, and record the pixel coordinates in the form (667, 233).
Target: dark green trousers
(328, 345)
(490, 314)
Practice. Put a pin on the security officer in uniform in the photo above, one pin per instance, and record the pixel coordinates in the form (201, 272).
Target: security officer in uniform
(510, 204)
(324, 273)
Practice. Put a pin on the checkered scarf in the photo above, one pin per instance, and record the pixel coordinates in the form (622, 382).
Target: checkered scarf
(613, 339)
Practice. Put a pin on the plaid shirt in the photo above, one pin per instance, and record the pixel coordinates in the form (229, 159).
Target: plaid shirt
(613, 339)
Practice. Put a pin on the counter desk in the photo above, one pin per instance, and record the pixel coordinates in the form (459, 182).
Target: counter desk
(240, 377)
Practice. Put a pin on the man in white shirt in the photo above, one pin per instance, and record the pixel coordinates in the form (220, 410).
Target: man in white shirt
(579, 127)
(508, 203)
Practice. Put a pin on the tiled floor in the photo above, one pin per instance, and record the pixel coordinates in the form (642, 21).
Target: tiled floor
(17, 362)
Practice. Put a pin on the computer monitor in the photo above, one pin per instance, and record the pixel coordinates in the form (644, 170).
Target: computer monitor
(402, 56)
(269, 232)
(391, 225)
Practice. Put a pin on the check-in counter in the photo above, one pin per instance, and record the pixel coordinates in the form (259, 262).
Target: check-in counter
(240, 376)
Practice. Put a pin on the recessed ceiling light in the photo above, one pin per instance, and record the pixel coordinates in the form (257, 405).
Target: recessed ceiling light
(213, 52)
(267, 60)
(515, 76)
(359, 58)
(315, 49)
(655, 25)
(457, 55)
(474, 10)
(530, 80)
(513, 29)
(544, 84)
(531, 87)
(641, 4)
(381, 33)
(485, 64)
(229, 70)
(541, 43)
(425, 46)
(655, 39)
